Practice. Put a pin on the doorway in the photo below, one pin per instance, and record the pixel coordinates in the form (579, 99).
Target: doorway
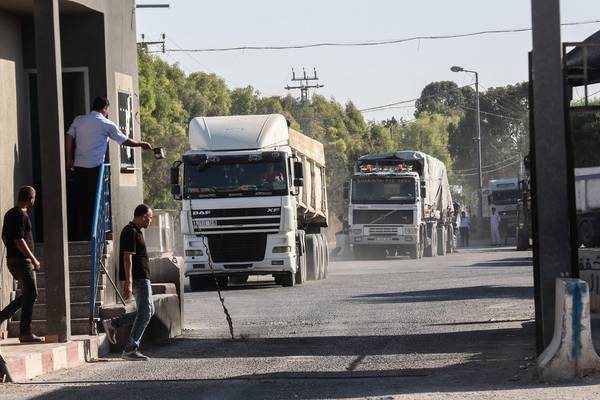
(76, 101)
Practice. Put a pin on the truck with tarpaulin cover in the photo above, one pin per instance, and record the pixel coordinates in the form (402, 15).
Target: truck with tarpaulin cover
(400, 203)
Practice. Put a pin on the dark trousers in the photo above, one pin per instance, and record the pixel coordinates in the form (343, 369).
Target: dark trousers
(464, 237)
(22, 270)
(86, 184)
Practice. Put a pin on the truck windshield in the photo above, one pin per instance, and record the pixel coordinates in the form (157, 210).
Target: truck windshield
(377, 190)
(504, 197)
(254, 178)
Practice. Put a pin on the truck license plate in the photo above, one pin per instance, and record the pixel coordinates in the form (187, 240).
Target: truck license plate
(207, 222)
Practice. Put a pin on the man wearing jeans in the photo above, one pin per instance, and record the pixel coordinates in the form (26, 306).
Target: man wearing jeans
(134, 270)
(18, 238)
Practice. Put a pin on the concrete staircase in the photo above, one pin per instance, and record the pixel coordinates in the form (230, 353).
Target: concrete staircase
(79, 276)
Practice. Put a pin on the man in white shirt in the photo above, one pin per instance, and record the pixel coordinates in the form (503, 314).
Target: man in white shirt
(495, 226)
(464, 227)
(86, 143)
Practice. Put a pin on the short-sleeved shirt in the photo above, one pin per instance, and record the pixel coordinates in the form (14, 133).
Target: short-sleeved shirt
(132, 241)
(17, 225)
(465, 222)
(91, 133)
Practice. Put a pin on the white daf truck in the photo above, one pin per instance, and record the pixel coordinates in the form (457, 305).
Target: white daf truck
(504, 195)
(253, 201)
(400, 203)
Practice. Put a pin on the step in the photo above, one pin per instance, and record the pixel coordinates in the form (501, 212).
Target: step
(78, 310)
(78, 294)
(76, 278)
(79, 326)
(75, 249)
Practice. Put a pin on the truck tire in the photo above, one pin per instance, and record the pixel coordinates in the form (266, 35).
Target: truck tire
(415, 252)
(199, 283)
(360, 252)
(301, 269)
(326, 258)
(586, 233)
(325, 251)
(522, 239)
(312, 262)
(287, 279)
(320, 258)
(450, 243)
(442, 241)
(431, 250)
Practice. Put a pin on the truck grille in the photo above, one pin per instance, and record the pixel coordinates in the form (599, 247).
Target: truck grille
(236, 219)
(382, 217)
(382, 231)
(237, 247)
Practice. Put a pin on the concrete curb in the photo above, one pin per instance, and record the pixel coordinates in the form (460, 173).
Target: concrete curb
(24, 362)
(571, 353)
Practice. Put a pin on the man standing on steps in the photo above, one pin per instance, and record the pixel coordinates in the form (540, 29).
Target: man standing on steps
(22, 263)
(134, 270)
(86, 142)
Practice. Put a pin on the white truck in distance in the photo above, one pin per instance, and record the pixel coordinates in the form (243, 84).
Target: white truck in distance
(504, 195)
(400, 203)
(253, 201)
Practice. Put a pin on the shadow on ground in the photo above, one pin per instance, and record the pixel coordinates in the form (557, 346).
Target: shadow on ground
(449, 294)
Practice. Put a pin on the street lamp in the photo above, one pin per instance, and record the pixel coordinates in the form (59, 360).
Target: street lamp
(478, 139)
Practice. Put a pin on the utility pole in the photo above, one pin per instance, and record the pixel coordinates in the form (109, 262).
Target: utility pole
(304, 86)
(145, 44)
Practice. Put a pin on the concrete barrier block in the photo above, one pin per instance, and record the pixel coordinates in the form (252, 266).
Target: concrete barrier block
(170, 270)
(571, 353)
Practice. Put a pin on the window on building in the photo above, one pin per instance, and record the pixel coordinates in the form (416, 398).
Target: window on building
(125, 106)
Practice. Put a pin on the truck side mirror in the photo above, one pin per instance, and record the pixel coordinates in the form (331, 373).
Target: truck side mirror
(175, 187)
(298, 174)
(346, 191)
(423, 190)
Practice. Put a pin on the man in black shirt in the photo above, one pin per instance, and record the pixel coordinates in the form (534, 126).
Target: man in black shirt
(22, 264)
(134, 270)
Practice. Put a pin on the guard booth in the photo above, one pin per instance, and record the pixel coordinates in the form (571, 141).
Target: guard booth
(581, 62)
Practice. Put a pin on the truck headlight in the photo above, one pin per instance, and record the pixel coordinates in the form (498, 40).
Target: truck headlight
(194, 253)
(409, 230)
(282, 249)
(356, 232)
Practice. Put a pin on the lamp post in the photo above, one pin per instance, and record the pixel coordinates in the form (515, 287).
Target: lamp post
(478, 139)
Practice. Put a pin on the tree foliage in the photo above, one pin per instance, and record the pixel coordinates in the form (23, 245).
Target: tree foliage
(444, 127)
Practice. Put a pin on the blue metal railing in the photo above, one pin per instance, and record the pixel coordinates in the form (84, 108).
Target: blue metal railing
(101, 224)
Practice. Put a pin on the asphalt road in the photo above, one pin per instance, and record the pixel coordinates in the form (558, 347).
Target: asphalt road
(459, 326)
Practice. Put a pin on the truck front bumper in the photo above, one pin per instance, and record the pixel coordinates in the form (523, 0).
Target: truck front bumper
(384, 240)
(283, 263)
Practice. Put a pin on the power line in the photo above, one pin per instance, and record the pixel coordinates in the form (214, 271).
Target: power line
(492, 165)
(491, 170)
(493, 114)
(373, 42)
(385, 106)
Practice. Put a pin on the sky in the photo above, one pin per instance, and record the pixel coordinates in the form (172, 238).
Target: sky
(369, 76)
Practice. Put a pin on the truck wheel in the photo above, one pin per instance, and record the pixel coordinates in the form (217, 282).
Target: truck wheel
(522, 239)
(586, 233)
(301, 269)
(287, 279)
(312, 262)
(431, 250)
(199, 283)
(325, 256)
(320, 258)
(416, 252)
(442, 241)
(222, 282)
(360, 252)
(450, 241)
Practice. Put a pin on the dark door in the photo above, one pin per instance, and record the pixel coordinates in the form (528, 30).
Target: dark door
(74, 104)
